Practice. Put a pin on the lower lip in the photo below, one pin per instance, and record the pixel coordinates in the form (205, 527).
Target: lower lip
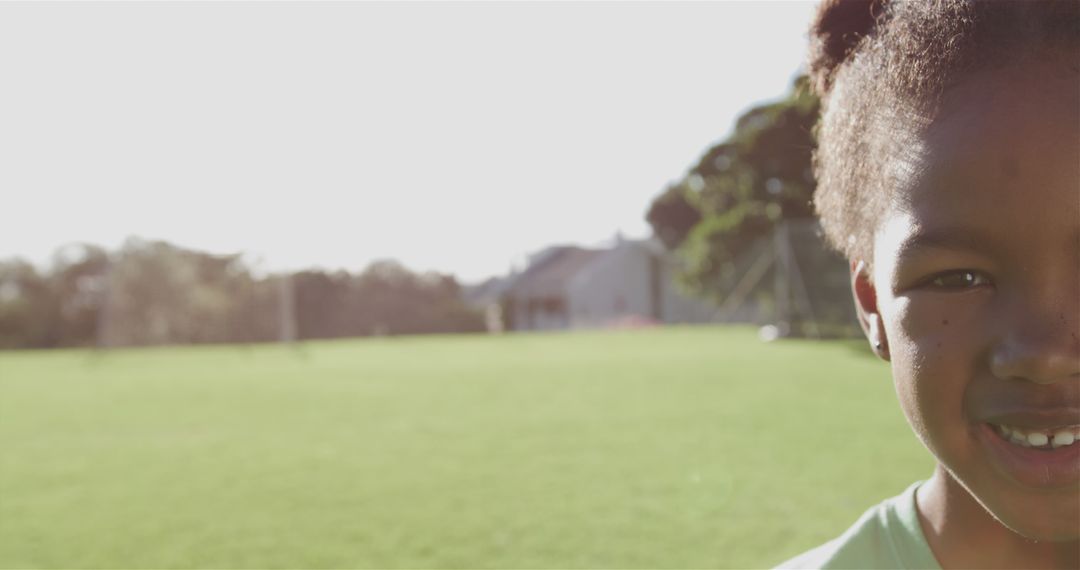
(1051, 468)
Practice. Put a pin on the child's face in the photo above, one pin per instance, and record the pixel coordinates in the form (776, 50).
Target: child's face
(975, 292)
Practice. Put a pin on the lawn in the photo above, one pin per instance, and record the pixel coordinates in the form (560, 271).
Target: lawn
(663, 448)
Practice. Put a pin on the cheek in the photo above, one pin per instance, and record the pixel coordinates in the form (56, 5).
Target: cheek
(933, 347)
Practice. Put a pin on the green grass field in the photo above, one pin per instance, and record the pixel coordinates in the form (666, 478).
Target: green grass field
(675, 448)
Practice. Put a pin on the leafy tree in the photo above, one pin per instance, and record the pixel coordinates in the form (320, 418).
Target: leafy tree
(28, 307)
(673, 214)
(78, 282)
(739, 190)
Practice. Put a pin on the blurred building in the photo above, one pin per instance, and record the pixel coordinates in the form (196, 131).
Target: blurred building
(631, 283)
(789, 279)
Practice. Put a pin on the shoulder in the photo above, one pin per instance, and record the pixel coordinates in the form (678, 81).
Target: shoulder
(816, 558)
(886, 536)
(859, 547)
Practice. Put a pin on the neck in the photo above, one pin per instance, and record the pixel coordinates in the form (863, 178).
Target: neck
(953, 522)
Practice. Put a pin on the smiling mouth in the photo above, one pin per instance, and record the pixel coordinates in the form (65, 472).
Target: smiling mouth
(1030, 457)
(1042, 439)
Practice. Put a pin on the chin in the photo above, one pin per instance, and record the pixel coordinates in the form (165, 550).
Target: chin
(1058, 523)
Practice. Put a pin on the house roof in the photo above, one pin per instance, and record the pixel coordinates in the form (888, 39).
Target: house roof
(487, 292)
(548, 275)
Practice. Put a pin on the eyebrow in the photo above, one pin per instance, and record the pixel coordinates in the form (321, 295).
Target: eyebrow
(954, 238)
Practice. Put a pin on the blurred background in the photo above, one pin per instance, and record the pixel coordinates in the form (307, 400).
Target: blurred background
(485, 284)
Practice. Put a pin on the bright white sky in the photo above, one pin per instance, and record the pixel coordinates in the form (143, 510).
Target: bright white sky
(452, 137)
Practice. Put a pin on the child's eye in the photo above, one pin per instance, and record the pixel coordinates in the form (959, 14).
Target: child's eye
(960, 279)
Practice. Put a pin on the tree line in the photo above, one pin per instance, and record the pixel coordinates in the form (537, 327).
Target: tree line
(153, 293)
(740, 192)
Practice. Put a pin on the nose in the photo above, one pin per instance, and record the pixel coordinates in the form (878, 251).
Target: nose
(1041, 339)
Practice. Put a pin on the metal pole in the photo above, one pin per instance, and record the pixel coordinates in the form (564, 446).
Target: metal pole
(286, 309)
(783, 269)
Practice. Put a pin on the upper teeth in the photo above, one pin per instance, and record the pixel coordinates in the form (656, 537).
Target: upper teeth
(1056, 437)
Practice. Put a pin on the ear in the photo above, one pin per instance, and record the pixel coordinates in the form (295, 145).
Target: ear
(866, 307)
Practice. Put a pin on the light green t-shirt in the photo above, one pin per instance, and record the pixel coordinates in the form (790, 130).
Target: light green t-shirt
(886, 536)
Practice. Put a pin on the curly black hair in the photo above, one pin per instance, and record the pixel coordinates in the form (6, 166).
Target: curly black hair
(882, 68)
